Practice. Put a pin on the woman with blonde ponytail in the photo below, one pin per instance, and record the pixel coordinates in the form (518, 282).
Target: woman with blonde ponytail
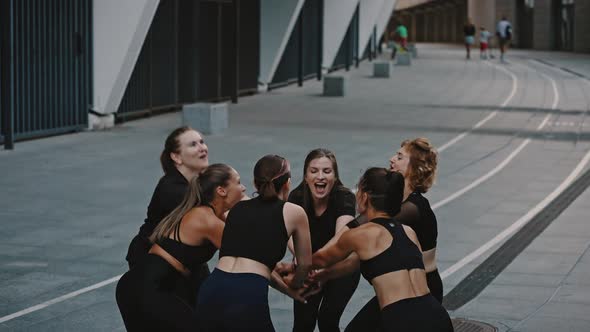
(158, 293)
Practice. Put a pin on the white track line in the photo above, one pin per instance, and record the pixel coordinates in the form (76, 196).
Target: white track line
(531, 213)
(116, 278)
(487, 118)
(59, 299)
(505, 162)
(519, 223)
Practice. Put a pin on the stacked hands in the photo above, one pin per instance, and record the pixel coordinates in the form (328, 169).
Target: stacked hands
(311, 286)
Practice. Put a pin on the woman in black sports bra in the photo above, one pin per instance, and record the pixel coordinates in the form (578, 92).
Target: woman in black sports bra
(235, 296)
(390, 257)
(157, 294)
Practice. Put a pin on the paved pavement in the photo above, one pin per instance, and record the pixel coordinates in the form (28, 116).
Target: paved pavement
(509, 135)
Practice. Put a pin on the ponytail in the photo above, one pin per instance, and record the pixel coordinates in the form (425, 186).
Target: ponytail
(192, 198)
(201, 191)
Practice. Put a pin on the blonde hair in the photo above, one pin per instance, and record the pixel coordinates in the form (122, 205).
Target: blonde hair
(421, 171)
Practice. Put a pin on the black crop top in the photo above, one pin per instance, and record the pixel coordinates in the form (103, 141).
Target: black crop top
(416, 213)
(255, 229)
(323, 228)
(403, 254)
(192, 257)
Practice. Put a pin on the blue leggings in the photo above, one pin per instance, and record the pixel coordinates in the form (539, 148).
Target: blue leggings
(234, 302)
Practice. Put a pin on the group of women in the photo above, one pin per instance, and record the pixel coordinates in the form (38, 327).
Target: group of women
(197, 209)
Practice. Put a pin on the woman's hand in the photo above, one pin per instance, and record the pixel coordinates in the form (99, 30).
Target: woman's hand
(284, 268)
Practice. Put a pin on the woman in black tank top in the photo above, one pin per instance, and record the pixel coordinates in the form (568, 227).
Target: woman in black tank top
(157, 293)
(329, 207)
(235, 296)
(389, 256)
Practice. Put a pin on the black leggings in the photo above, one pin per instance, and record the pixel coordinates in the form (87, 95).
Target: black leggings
(138, 252)
(153, 296)
(234, 302)
(416, 314)
(327, 306)
(368, 318)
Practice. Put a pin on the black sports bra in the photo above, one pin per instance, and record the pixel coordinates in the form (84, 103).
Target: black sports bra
(403, 254)
(192, 257)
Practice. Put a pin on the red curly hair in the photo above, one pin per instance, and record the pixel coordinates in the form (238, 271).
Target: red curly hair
(421, 171)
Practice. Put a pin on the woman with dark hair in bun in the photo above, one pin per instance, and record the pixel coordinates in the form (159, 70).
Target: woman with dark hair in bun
(235, 296)
(390, 257)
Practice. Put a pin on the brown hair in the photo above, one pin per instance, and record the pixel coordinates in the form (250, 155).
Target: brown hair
(421, 171)
(271, 172)
(172, 145)
(338, 186)
(385, 189)
(201, 191)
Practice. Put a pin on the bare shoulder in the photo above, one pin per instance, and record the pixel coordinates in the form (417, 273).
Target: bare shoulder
(293, 210)
(197, 219)
(410, 233)
(360, 234)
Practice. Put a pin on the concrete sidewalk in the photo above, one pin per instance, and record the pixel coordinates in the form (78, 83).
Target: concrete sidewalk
(70, 204)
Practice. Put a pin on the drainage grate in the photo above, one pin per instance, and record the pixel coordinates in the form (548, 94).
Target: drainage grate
(465, 325)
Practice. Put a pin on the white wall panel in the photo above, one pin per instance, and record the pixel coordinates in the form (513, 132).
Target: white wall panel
(337, 17)
(368, 14)
(384, 16)
(120, 28)
(277, 19)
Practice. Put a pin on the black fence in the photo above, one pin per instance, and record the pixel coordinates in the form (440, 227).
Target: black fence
(45, 69)
(303, 53)
(195, 51)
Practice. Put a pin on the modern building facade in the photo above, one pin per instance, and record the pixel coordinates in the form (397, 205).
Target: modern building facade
(559, 25)
(70, 63)
(67, 65)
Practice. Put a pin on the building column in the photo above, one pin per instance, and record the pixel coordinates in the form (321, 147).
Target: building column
(582, 26)
(543, 25)
(119, 29)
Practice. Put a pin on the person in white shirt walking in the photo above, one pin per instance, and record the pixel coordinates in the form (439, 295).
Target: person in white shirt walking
(504, 33)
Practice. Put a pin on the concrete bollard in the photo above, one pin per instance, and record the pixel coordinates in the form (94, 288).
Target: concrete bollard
(403, 59)
(413, 50)
(335, 85)
(382, 69)
(207, 118)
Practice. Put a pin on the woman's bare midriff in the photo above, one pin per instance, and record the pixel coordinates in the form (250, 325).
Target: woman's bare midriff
(234, 264)
(399, 285)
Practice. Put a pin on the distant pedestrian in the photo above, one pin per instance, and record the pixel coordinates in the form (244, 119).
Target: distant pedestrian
(469, 32)
(504, 33)
(484, 41)
(400, 35)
